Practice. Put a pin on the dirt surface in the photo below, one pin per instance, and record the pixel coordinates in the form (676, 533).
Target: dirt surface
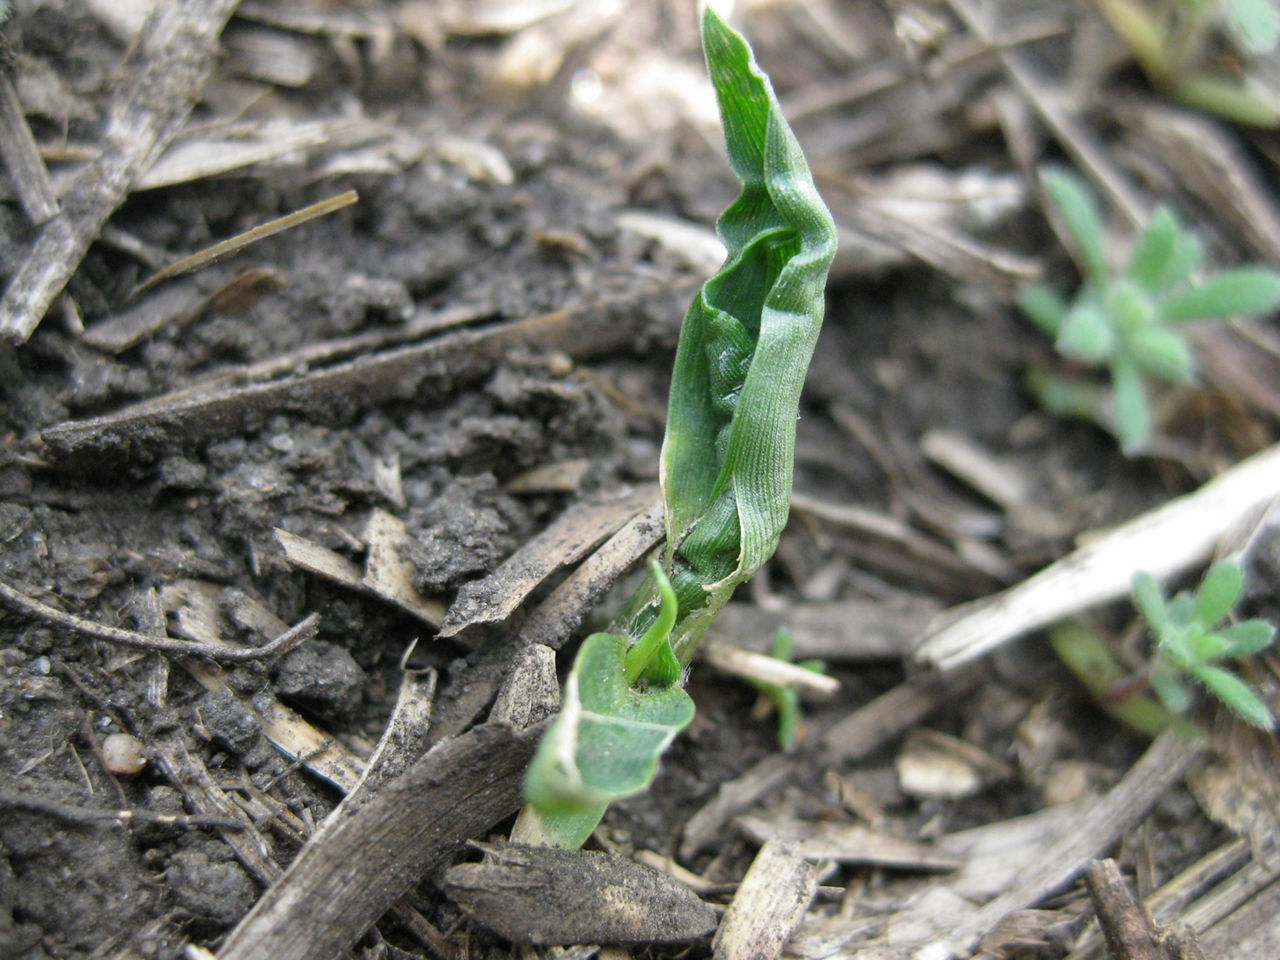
(490, 193)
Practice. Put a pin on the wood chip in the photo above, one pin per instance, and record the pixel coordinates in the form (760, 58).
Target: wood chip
(555, 619)
(492, 599)
(1131, 934)
(762, 668)
(769, 905)
(547, 895)
(411, 827)
(197, 609)
(387, 579)
(1064, 856)
(165, 72)
(1164, 542)
(847, 843)
(22, 158)
(387, 573)
(840, 631)
(423, 371)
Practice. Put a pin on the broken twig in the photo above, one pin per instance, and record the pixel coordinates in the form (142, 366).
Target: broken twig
(17, 600)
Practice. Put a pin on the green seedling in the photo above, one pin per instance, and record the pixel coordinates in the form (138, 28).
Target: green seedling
(726, 465)
(786, 699)
(1176, 44)
(1130, 322)
(1189, 642)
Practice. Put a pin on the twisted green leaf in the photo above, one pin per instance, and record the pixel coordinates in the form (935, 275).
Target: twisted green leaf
(727, 460)
(744, 349)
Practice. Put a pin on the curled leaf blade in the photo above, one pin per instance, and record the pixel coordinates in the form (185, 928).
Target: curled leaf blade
(745, 347)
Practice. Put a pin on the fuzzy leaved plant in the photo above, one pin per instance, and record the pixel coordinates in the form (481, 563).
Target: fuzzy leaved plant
(726, 467)
(1190, 642)
(1131, 321)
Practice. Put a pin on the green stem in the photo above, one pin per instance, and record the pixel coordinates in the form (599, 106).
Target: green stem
(643, 650)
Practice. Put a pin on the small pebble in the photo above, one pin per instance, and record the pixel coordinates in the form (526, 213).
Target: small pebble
(281, 443)
(43, 665)
(122, 754)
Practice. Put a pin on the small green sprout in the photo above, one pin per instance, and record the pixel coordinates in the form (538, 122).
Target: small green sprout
(786, 699)
(726, 465)
(1188, 643)
(1178, 45)
(1128, 322)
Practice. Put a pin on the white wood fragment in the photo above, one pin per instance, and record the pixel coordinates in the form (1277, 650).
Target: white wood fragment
(847, 843)
(765, 669)
(1163, 542)
(770, 903)
(388, 574)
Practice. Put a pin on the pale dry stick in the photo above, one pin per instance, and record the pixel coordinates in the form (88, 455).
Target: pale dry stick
(1163, 542)
(1075, 139)
(763, 668)
(168, 67)
(77, 814)
(300, 632)
(224, 248)
(22, 158)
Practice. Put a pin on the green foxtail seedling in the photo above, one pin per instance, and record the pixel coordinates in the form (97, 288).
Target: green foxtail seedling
(1130, 322)
(1189, 642)
(786, 699)
(726, 466)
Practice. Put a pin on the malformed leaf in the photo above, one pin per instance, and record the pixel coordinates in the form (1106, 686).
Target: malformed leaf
(1247, 637)
(1244, 292)
(1218, 592)
(727, 460)
(744, 349)
(1080, 213)
(1154, 249)
(607, 739)
(1235, 693)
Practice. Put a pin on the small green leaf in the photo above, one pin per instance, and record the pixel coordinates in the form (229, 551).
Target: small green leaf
(1133, 419)
(1149, 599)
(1247, 637)
(1130, 307)
(1218, 592)
(651, 654)
(1162, 354)
(1235, 693)
(1205, 646)
(606, 741)
(1043, 307)
(1188, 255)
(1171, 692)
(1244, 292)
(1154, 249)
(1242, 99)
(1079, 212)
(1255, 22)
(1182, 610)
(1086, 333)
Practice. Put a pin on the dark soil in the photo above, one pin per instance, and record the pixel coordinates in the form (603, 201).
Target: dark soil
(905, 351)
